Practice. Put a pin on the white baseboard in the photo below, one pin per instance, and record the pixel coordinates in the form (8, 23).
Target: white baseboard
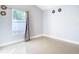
(58, 38)
(17, 41)
(41, 35)
(11, 42)
(36, 36)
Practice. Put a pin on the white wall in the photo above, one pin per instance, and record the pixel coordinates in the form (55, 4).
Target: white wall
(64, 25)
(36, 16)
(5, 27)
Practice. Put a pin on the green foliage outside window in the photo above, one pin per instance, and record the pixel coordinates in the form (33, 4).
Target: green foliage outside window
(18, 15)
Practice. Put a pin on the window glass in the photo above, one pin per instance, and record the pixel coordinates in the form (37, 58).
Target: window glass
(18, 21)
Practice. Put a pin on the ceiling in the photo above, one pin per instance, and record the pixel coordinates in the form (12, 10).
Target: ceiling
(46, 7)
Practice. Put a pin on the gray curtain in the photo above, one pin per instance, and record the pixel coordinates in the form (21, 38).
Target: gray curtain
(27, 32)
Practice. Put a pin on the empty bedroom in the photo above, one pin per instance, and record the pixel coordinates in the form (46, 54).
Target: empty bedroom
(39, 29)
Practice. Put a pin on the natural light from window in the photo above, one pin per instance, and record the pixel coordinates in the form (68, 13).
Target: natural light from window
(18, 21)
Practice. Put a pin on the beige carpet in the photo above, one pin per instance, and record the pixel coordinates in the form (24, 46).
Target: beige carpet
(47, 46)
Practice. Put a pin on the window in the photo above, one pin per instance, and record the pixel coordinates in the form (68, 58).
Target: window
(18, 21)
